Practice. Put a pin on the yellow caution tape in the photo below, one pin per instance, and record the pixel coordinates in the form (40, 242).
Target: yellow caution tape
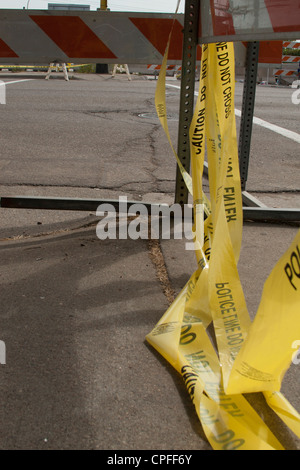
(226, 298)
(246, 358)
(161, 109)
(68, 66)
(267, 353)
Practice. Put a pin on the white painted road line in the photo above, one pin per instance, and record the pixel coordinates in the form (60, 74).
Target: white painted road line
(260, 122)
(272, 127)
(17, 81)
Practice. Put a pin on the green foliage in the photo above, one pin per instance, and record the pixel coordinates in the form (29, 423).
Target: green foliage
(88, 68)
(295, 52)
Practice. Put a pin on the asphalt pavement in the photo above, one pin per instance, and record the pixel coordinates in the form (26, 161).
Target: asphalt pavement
(76, 309)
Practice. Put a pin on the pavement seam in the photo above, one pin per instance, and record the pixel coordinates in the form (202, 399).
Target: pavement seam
(50, 233)
(158, 261)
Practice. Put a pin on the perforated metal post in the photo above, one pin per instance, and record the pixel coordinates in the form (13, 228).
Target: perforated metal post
(189, 56)
(248, 110)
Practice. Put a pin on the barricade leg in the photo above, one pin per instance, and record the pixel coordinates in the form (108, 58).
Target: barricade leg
(114, 71)
(127, 71)
(49, 71)
(64, 68)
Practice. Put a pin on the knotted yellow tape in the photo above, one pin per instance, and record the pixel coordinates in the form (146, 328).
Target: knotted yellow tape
(247, 358)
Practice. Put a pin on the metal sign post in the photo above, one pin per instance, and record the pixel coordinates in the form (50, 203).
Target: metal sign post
(248, 110)
(189, 57)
